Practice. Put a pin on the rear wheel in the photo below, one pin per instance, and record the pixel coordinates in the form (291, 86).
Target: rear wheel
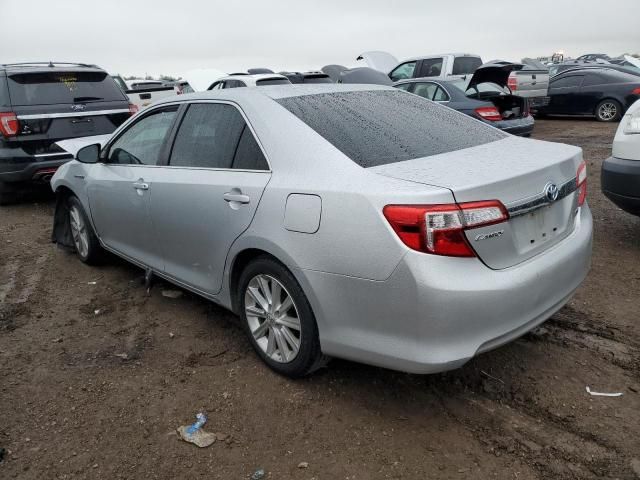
(84, 238)
(609, 111)
(278, 319)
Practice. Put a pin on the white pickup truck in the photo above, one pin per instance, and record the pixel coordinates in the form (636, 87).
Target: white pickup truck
(144, 92)
(524, 80)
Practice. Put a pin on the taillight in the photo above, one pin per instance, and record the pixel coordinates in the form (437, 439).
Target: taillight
(133, 109)
(489, 113)
(9, 124)
(512, 82)
(439, 229)
(635, 91)
(581, 180)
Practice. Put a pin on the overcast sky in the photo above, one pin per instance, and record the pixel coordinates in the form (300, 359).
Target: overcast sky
(173, 36)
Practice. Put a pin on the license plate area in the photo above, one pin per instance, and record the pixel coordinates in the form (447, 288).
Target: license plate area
(544, 226)
(82, 125)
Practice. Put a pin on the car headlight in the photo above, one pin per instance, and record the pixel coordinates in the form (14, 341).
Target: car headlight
(632, 123)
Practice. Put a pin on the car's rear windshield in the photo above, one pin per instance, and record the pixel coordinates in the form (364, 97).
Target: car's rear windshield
(380, 127)
(272, 81)
(48, 88)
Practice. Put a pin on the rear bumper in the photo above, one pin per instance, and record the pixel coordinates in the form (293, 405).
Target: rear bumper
(519, 126)
(435, 313)
(620, 181)
(18, 166)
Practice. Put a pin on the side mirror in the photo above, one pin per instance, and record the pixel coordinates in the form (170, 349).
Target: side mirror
(89, 154)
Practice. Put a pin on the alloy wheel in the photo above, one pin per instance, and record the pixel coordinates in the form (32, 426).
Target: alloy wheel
(79, 231)
(608, 111)
(273, 318)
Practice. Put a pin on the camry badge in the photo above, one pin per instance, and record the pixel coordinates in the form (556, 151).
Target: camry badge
(484, 236)
(77, 107)
(551, 192)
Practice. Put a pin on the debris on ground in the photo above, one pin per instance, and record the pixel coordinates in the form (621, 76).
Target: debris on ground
(97, 311)
(635, 466)
(258, 474)
(123, 356)
(194, 434)
(171, 334)
(303, 465)
(3, 452)
(600, 394)
(92, 283)
(491, 376)
(172, 293)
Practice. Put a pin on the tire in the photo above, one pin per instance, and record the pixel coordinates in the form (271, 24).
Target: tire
(609, 110)
(86, 242)
(7, 195)
(277, 329)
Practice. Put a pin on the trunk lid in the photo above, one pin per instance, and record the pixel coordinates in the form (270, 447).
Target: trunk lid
(382, 61)
(516, 172)
(496, 72)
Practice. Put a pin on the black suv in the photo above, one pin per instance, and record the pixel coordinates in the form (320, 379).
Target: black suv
(42, 103)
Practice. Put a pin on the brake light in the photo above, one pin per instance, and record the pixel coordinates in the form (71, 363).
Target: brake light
(581, 180)
(9, 124)
(489, 113)
(636, 91)
(512, 82)
(439, 229)
(133, 109)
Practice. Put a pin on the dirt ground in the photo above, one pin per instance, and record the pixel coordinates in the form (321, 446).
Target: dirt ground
(95, 377)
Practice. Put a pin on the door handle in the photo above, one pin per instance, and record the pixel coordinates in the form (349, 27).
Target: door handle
(236, 197)
(141, 185)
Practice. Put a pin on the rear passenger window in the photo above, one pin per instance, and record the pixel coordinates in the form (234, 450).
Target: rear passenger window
(431, 67)
(248, 154)
(426, 90)
(215, 135)
(593, 79)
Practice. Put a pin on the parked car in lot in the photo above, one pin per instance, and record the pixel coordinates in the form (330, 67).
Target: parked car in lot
(307, 77)
(620, 175)
(488, 102)
(41, 103)
(249, 80)
(477, 236)
(143, 93)
(527, 81)
(444, 66)
(600, 91)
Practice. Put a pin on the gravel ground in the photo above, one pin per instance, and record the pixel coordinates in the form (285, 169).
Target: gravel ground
(96, 377)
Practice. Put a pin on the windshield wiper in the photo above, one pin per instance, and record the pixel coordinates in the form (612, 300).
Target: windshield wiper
(86, 99)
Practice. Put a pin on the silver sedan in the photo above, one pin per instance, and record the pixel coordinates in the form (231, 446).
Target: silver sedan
(358, 222)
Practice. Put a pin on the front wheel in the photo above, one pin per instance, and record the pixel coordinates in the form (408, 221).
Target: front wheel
(84, 238)
(278, 319)
(609, 111)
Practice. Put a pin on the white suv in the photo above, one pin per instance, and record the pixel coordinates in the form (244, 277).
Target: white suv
(246, 80)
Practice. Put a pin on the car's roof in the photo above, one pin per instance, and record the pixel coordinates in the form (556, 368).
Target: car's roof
(252, 78)
(274, 92)
(583, 68)
(435, 55)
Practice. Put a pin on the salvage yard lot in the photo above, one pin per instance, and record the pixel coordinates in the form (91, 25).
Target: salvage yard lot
(95, 378)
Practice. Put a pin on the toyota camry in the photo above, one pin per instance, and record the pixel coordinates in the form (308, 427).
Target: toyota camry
(351, 221)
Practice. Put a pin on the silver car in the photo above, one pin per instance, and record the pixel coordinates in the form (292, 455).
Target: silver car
(350, 221)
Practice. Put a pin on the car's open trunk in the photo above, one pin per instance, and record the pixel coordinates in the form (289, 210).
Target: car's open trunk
(509, 106)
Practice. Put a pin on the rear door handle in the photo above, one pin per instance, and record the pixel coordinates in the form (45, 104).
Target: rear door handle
(236, 197)
(140, 185)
